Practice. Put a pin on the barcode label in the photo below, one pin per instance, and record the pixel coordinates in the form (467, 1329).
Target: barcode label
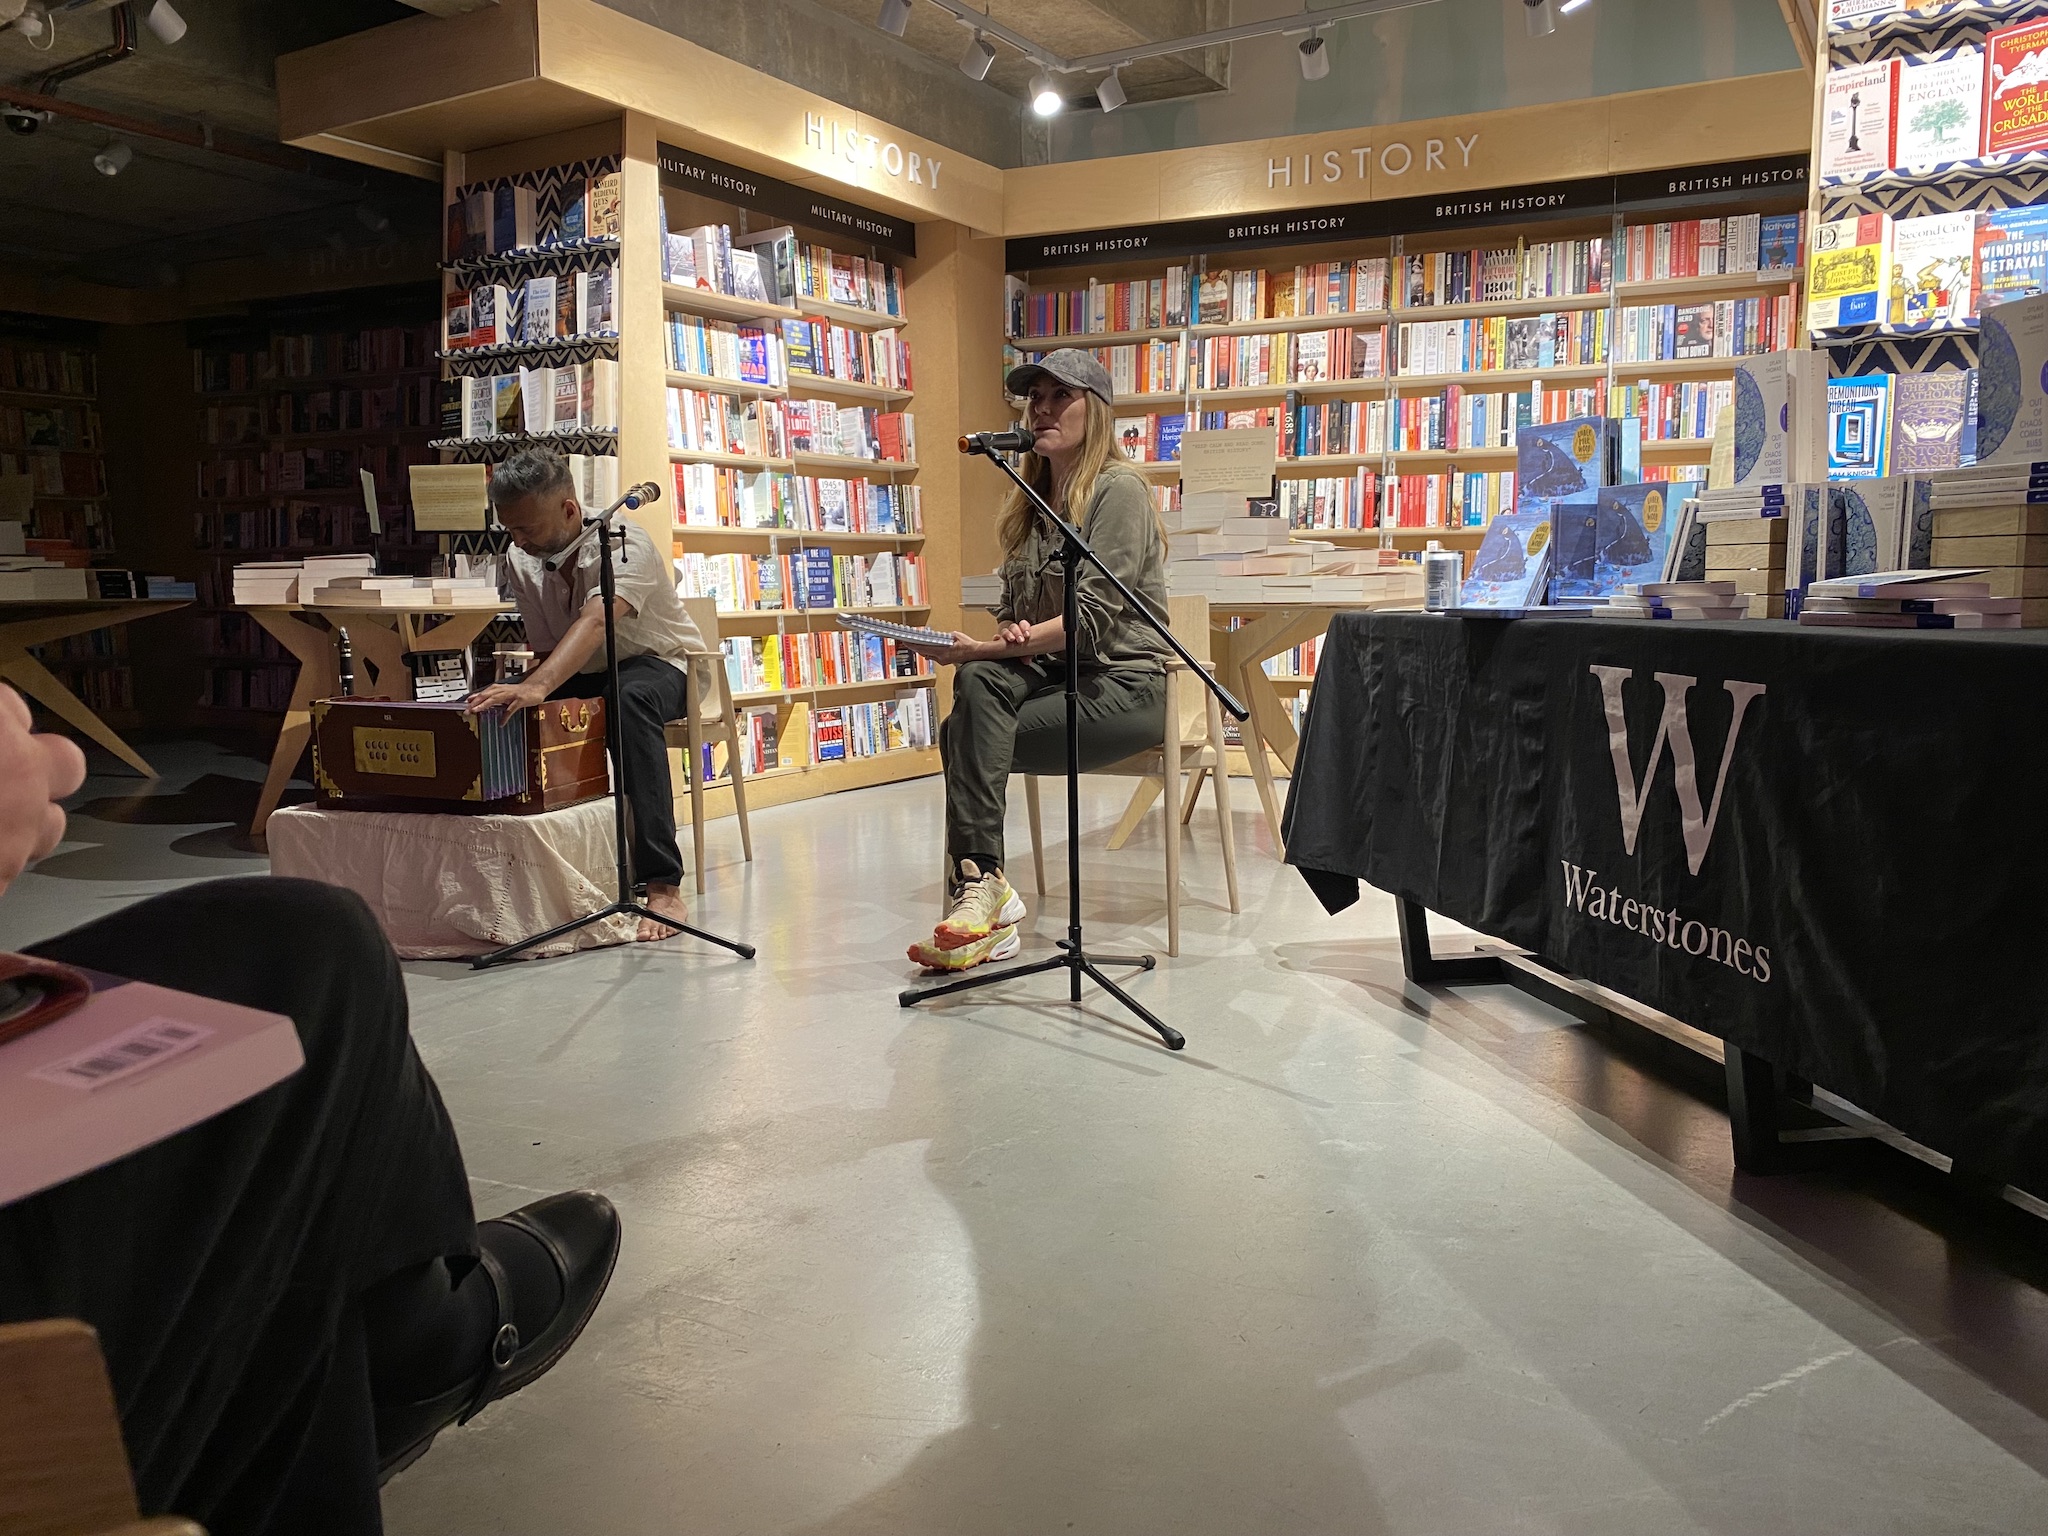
(143, 1045)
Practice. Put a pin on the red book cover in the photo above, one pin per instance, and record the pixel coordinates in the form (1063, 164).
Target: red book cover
(2016, 89)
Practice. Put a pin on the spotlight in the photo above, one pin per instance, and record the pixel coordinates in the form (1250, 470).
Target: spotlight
(895, 17)
(1045, 99)
(166, 23)
(975, 62)
(113, 160)
(1569, 6)
(1541, 16)
(1315, 59)
(1111, 92)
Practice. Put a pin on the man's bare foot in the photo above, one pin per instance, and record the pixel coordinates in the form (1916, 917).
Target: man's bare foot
(668, 901)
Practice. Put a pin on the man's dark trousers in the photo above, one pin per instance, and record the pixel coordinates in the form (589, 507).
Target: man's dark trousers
(656, 692)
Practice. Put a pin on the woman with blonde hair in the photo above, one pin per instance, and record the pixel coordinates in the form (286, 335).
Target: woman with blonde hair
(1009, 697)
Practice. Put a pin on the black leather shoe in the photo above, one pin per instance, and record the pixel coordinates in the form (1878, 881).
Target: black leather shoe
(580, 1231)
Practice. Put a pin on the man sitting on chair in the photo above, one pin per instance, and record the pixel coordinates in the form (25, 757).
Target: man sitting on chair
(551, 572)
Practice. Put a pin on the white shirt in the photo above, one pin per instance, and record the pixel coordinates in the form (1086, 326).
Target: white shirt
(552, 593)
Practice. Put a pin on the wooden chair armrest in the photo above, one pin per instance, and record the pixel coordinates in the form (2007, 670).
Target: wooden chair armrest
(165, 1525)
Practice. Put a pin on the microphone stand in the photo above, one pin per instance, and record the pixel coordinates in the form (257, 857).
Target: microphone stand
(625, 906)
(1074, 958)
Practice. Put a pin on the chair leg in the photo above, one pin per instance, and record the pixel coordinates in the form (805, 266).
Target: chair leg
(736, 771)
(1224, 824)
(1194, 797)
(1169, 811)
(1031, 809)
(1142, 795)
(696, 772)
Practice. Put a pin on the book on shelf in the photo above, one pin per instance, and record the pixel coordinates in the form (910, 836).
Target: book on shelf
(1859, 426)
(2011, 255)
(540, 314)
(775, 262)
(1857, 119)
(1932, 258)
(1934, 420)
(1849, 273)
(2012, 411)
(2016, 89)
(515, 217)
(1940, 107)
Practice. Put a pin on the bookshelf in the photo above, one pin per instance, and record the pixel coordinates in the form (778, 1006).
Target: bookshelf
(51, 436)
(1397, 395)
(791, 450)
(292, 405)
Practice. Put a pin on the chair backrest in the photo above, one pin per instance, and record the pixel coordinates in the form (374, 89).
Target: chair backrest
(63, 1466)
(703, 612)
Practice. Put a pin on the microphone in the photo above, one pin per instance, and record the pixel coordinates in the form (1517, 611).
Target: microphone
(1016, 440)
(640, 495)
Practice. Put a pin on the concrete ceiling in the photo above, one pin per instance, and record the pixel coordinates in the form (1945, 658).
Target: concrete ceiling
(1072, 29)
(176, 205)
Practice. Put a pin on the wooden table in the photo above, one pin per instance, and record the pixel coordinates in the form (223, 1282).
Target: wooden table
(26, 622)
(1267, 630)
(380, 638)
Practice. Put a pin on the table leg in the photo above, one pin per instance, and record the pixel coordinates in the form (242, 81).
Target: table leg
(1426, 970)
(380, 647)
(40, 684)
(1753, 1117)
(319, 678)
(1254, 744)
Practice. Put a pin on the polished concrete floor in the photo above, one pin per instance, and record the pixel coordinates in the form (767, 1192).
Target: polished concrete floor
(1363, 1259)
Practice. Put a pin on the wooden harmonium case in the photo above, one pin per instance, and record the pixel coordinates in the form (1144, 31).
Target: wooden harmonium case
(376, 755)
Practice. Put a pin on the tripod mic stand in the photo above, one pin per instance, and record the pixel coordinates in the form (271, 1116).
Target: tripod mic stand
(1074, 958)
(625, 906)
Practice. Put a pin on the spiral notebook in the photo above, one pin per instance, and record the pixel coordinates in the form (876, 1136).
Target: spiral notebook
(903, 634)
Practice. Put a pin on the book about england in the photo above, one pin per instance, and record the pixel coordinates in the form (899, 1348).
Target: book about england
(1940, 107)
(1857, 118)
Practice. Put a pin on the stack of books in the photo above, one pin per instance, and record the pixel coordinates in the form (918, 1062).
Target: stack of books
(405, 592)
(266, 583)
(1677, 600)
(1931, 599)
(30, 577)
(981, 591)
(1749, 555)
(318, 570)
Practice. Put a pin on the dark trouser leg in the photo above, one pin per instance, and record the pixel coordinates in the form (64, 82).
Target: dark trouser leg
(656, 693)
(975, 742)
(217, 1264)
(1122, 714)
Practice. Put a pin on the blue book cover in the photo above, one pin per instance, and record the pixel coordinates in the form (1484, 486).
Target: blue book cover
(1634, 534)
(1170, 429)
(1574, 546)
(1512, 566)
(2012, 254)
(1778, 242)
(1560, 458)
(814, 585)
(1859, 426)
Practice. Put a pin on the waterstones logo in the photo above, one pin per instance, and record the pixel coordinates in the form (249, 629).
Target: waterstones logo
(1667, 925)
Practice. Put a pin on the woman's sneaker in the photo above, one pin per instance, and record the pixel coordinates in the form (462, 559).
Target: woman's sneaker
(982, 907)
(1000, 945)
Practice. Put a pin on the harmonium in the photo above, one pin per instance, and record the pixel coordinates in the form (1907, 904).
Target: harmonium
(377, 755)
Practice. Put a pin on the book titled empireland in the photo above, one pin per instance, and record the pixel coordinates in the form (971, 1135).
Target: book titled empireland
(1857, 117)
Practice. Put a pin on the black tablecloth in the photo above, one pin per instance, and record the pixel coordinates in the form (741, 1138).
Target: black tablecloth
(1865, 910)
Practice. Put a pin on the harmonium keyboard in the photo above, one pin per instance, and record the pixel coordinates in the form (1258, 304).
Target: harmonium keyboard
(376, 755)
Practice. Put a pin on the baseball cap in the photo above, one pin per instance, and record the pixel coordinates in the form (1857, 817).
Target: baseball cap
(1071, 366)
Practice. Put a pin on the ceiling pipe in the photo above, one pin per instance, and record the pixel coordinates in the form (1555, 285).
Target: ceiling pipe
(200, 136)
(119, 49)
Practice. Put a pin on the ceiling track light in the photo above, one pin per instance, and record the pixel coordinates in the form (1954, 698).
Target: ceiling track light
(1315, 58)
(1110, 93)
(895, 17)
(975, 62)
(114, 159)
(1571, 5)
(165, 23)
(1045, 97)
(1541, 15)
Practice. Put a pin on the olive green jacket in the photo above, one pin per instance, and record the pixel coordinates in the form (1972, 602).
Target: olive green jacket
(1121, 525)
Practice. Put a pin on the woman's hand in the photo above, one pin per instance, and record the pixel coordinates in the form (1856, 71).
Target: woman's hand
(35, 773)
(1016, 633)
(965, 648)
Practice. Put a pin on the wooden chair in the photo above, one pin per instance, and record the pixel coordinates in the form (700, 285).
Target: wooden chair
(710, 707)
(1194, 744)
(63, 1466)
